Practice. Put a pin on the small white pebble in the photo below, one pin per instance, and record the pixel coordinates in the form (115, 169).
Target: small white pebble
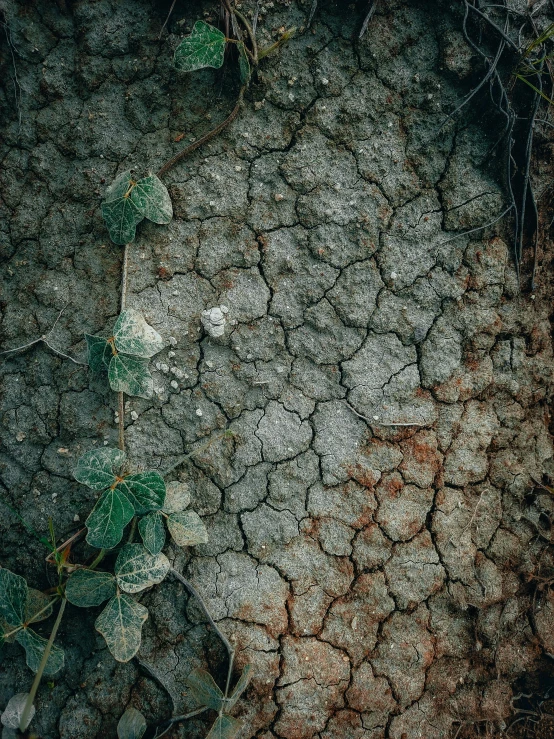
(134, 415)
(278, 197)
(76, 517)
(172, 340)
(238, 168)
(171, 354)
(199, 412)
(375, 418)
(393, 275)
(174, 384)
(324, 81)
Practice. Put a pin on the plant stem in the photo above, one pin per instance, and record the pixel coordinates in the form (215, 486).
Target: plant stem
(269, 49)
(99, 557)
(48, 648)
(120, 396)
(227, 644)
(204, 139)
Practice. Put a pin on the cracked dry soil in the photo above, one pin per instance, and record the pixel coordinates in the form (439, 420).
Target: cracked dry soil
(380, 578)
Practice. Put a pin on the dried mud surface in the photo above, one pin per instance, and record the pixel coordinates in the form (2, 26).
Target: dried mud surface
(379, 577)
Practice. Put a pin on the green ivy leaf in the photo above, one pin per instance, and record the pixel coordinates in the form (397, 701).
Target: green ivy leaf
(187, 529)
(134, 336)
(225, 727)
(108, 518)
(244, 64)
(132, 725)
(146, 490)
(38, 607)
(99, 353)
(205, 47)
(122, 184)
(130, 375)
(136, 569)
(240, 687)
(88, 588)
(152, 530)
(205, 689)
(34, 646)
(120, 623)
(121, 217)
(13, 597)
(94, 469)
(177, 497)
(152, 199)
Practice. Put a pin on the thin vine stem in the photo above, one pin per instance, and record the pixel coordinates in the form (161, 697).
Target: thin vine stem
(48, 648)
(204, 139)
(120, 395)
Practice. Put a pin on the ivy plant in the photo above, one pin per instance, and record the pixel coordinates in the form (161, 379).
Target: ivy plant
(130, 501)
(125, 354)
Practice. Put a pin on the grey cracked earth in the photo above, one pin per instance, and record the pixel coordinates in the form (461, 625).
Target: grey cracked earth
(371, 532)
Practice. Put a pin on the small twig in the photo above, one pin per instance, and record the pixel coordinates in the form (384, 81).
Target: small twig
(167, 19)
(44, 340)
(369, 16)
(66, 543)
(174, 719)
(376, 422)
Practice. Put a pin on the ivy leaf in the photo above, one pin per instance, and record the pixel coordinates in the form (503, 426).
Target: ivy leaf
(225, 727)
(134, 336)
(99, 353)
(87, 588)
(121, 217)
(146, 490)
(34, 646)
(152, 530)
(38, 607)
(108, 518)
(130, 375)
(244, 64)
(177, 497)
(120, 623)
(94, 469)
(122, 184)
(13, 712)
(187, 529)
(136, 569)
(240, 687)
(205, 47)
(13, 597)
(132, 725)
(152, 199)
(205, 689)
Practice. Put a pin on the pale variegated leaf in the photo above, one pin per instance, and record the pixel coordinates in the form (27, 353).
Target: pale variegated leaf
(121, 217)
(187, 529)
(130, 375)
(120, 623)
(132, 725)
(177, 497)
(136, 569)
(134, 336)
(11, 717)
